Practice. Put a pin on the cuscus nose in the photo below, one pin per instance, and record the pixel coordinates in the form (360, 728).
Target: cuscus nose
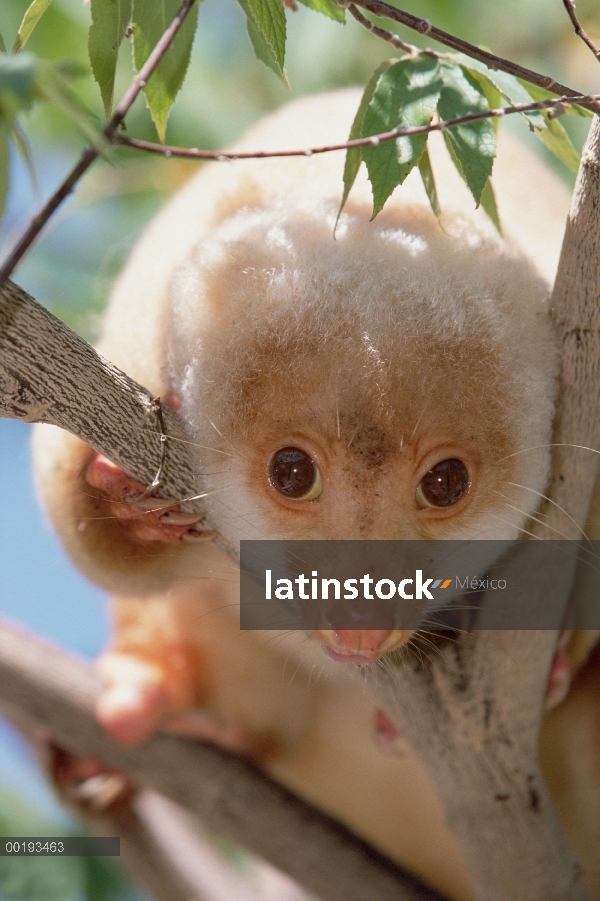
(360, 646)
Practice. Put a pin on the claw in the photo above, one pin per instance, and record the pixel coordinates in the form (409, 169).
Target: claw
(174, 518)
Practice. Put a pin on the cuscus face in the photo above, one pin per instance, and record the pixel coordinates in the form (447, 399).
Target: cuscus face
(372, 387)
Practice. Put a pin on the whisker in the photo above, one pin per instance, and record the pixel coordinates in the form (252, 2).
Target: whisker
(542, 446)
(207, 417)
(545, 497)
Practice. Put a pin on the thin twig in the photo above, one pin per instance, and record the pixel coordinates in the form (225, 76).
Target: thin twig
(90, 153)
(382, 33)
(570, 8)
(424, 26)
(372, 140)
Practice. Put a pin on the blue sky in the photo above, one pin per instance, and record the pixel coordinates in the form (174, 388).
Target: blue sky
(40, 589)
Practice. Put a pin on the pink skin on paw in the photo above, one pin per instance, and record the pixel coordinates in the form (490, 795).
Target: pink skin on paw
(136, 698)
(142, 698)
(87, 782)
(150, 519)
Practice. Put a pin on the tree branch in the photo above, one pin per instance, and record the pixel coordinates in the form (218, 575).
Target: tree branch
(424, 26)
(570, 7)
(91, 153)
(442, 125)
(44, 688)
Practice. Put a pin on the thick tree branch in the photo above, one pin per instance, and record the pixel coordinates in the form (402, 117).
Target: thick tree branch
(45, 689)
(424, 26)
(91, 153)
(45, 371)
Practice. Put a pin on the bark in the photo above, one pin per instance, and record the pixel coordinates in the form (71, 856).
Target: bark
(44, 690)
(49, 374)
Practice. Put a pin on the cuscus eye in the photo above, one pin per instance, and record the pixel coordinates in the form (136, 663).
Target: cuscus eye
(444, 485)
(295, 475)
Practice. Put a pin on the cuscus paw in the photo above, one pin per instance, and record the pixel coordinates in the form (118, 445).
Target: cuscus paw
(561, 672)
(86, 783)
(149, 518)
(142, 697)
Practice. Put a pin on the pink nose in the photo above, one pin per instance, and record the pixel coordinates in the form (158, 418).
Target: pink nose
(358, 641)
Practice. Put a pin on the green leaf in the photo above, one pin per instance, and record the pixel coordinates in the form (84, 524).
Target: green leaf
(4, 163)
(268, 17)
(354, 154)
(2, 44)
(261, 48)
(32, 16)
(328, 8)
(406, 95)
(110, 19)
(537, 94)
(509, 87)
(150, 20)
(557, 140)
(474, 143)
(429, 183)
(488, 202)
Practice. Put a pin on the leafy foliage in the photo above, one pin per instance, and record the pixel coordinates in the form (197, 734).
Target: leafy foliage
(422, 86)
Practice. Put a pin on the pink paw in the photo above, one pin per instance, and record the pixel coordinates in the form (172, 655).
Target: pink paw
(149, 519)
(87, 783)
(143, 697)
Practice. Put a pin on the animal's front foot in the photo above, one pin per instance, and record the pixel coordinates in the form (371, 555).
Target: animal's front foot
(86, 783)
(149, 518)
(143, 696)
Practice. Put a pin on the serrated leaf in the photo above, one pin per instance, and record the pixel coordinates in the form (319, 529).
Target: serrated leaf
(509, 87)
(488, 202)
(537, 94)
(150, 20)
(429, 183)
(32, 16)
(557, 140)
(490, 92)
(268, 17)
(474, 143)
(406, 95)
(110, 19)
(328, 8)
(354, 154)
(261, 48)
(4, 163)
